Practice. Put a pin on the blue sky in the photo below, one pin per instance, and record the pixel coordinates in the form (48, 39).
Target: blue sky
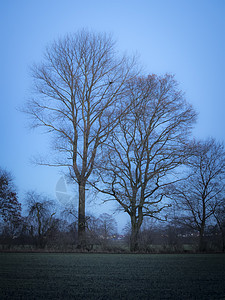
(183, 37)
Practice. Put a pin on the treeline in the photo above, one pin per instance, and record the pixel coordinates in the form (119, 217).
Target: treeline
(44, 226)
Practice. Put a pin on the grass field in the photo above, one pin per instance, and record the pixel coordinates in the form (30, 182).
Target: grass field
(111, 276)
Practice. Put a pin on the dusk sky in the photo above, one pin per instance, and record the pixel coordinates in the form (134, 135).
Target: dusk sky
(182, 37)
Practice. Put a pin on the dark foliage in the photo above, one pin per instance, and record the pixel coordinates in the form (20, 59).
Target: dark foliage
(10, 208)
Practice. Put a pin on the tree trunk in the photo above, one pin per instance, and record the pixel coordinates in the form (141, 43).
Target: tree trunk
(81, 217)
(202, 245)
(134, 240)
(134, 234)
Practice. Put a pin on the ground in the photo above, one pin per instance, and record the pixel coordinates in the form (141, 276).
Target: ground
(111, 276)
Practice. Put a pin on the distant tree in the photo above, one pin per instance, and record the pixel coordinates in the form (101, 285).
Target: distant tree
(79, 87)
(10, 208)
(107, 225)
(198, 196)
(69, 213)
(41, 212)
(219, 214)
(146, 234)
(146, 148)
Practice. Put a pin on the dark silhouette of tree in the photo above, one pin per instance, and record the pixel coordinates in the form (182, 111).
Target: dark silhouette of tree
(146, 148)
(10, 208)
(200, 194)
(107, 226)
(219, 214)
(79, 88)
(41, 212)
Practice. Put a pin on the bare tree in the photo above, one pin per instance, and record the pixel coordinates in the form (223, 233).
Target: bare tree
(107, 226)
(199, 195)
(41, 214)
(145, 149)
(219, 215)
(79, 87)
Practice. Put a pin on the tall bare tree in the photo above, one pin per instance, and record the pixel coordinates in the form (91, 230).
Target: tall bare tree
(198, 197)
(145, 148)
(78, 89)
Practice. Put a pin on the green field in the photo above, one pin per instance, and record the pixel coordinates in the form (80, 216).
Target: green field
(111, 276)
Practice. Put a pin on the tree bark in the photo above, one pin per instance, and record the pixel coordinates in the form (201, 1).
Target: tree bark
(81, 217)
(134, 234)
(134, 239)
(202, 245)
